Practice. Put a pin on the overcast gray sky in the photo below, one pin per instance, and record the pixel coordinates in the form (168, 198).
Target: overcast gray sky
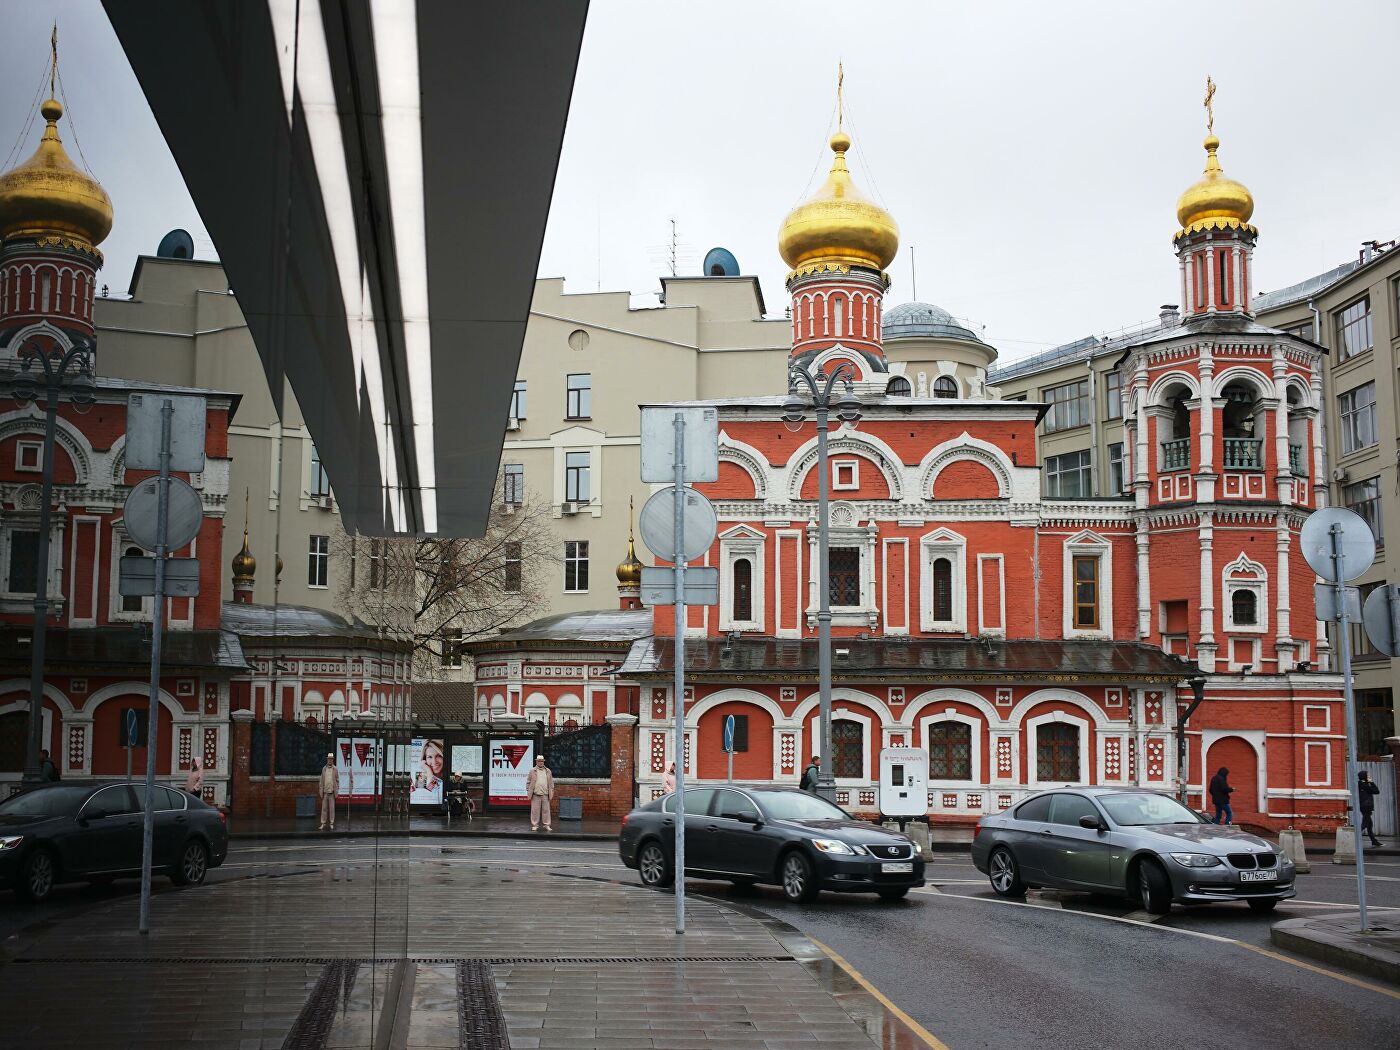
(1031, 153)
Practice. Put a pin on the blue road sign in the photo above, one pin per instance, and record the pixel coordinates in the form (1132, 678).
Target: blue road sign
(729, 733)
(132, 728)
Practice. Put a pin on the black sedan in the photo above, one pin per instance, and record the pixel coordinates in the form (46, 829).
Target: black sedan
(92, 831)
(775, 835)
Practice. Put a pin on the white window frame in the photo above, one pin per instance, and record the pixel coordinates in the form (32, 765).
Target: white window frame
(1084, 470)
(1310, 748)
(450, 658)
(852, 482)
(1088, 544)
(1115, 489)
(576, 559)
(323, 555)
(37, 447)
(1032, 736)
(869, 727)
(1258, 582)
(518, 395)
(318, 482)
(867, 613)
(975, 724)
(742, 542)
(1349, 415)
(943, 543)
(115, 613)
(23, 601)
(513, 492)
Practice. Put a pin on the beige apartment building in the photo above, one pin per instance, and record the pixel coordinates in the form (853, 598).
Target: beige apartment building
(1354, 311)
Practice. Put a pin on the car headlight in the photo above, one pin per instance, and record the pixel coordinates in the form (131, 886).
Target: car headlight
(10, 841)
(836, 846)
(1196, 860)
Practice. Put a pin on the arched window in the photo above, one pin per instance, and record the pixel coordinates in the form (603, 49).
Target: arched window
(945, 386)
(899, 387)
(1244, 608)
(743, 590)
(838, 308)
(1057, 752)
(942, 589)
(950, 751)
(847, 749)
(132, 603)
(1223, 285)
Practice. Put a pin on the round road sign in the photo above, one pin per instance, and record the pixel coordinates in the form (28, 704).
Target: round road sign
(1353, 535)
(183, 516)
(699, 523)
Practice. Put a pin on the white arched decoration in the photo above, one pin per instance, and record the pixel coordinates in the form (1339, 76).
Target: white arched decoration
(840, 696)
(748, 459)
(976, 738)
(1062, 696)
(1255, 739)
(964, 447)
(849, 442)
(313, 702)
(1031, 737)
(738, 695)
(536, 707)
(1156, 393)
(566, 707)
(19, 703)
(141, 691)
(1260, 382)
(66, 436)
(1244, 574)
(946, 695)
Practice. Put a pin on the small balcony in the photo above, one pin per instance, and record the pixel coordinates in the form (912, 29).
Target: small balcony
(1296, 462)
(1244, 454)
(1176, 455)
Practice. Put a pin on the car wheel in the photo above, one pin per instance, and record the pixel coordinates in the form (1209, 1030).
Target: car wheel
(1005, 874)
(653, 866)
(37, 876)
(894, 893)
(193, 865)
(799, 880)
(1153, 889)
(1263, 906)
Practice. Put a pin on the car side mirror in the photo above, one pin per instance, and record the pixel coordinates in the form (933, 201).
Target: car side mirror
(749, 818)
(1091, 823)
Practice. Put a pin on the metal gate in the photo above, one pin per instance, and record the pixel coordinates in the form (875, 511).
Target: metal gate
(1382, 771)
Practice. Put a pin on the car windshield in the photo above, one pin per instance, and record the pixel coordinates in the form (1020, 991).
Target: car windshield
(46, 802)
(1136, 809)
(799, 805)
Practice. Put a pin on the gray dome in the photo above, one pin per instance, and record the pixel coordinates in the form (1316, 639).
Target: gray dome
(923, 320)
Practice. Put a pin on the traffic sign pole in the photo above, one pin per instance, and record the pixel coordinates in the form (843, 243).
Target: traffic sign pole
(1344, 643)
(679, 684)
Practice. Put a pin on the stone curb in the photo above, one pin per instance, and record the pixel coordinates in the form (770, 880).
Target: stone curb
(1343, 949)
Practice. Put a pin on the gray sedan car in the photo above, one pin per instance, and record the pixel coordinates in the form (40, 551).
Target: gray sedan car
(1139, 844)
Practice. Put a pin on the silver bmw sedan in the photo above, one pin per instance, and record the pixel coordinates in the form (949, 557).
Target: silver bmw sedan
(1135, 843)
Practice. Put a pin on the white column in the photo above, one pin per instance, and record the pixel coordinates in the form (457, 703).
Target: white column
(1282, 472)
(1237, 258)
(1206, 647)
(1206, 454)
(1144, 581)
(1208, 258)
(1283, 627)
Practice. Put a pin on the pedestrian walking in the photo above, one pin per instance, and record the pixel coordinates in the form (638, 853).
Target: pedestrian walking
(1220, 792)
(1367, 789)
(668, 779)
(330, 787)
(810, 774)
(539, 785)
(48, 772)
(194, 781)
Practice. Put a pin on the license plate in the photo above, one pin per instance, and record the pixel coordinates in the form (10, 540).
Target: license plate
(1267, 875)
(904, 867)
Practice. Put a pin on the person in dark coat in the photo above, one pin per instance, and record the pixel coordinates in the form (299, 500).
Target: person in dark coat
(1367, 790)
(810, 774)
(1220, 791)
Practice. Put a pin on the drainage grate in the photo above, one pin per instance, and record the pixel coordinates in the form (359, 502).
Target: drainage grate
(480, 1023)
(312, 1028)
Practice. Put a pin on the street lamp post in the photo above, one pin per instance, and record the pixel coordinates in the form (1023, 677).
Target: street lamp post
(70, 369)
(820, 388)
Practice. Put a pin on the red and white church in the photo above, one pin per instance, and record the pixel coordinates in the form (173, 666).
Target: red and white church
(1020, 641)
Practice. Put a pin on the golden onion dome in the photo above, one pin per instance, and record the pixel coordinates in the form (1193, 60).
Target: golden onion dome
(48, 197)
(244, 564)
(837, 226)
(629, 570)
(1214, 201)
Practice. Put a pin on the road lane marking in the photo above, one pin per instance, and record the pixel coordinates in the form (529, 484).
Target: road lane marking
(1344, 977)
(931, 1040)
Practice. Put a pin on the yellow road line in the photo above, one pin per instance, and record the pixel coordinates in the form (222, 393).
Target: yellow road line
(933, 1042)
(1347, 978)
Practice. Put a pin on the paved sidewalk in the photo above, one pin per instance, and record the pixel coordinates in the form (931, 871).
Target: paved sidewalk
(1337, 939)
(361, 824)
(479, 956)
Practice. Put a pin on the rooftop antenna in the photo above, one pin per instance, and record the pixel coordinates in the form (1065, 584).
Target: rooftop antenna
(673, 247)
(913, 276)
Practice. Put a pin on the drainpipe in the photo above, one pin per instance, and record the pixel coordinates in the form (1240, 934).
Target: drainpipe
(1198, 689)
(1322, 408)
(1094, 458)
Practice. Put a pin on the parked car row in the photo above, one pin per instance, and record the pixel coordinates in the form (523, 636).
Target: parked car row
(90, 831)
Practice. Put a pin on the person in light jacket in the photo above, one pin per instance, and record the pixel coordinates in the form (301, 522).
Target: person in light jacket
(668, 779)
(539, 785)
(1220, 792)
(194, 782)
(330, 787)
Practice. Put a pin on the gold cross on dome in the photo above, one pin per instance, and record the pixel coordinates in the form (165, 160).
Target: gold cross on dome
(1210, 108)
(53, 57)
(840, 105)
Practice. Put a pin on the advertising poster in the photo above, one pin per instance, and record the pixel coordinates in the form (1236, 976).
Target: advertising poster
(358, 761)
(466, 759)
(507, 769)
(425, 772)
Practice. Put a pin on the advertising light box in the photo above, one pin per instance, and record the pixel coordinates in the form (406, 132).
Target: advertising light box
(425, 772)
(507, 770)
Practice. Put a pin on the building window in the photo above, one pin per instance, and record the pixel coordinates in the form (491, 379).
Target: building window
(1057, 752)
(843, 577)
(133, 603)
(1302, 331)
(24, 561)
(575, 566)
(1364, 497)
(1068, 476)
(845, 475)
(1086, 591)
(1375, 720)
(517, 400)
(512, 569)
(1244, 608)
(1354, 328)
(579, 404)
(576, 476)
(377, 551)
(451, 643)
(743, 590)
(945, 387)
(29, 456)
(899, 387)
(1112, 395)
(513, 484)
(1223, 278)
(1361, 646)
(1358, 416)
(318, 484)
(943, 589)
(847, 749)
(1115, 468)
(1069, 406)
(950, 751)
(318, 570)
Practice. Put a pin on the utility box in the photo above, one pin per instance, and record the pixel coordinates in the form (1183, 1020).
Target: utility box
(903, 782)
(571, 809)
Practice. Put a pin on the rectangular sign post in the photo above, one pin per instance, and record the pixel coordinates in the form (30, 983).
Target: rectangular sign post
(729, 722)
(1344, 615)
(129, 738)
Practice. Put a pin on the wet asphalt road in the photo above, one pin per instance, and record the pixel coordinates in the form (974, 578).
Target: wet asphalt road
(1058, 971)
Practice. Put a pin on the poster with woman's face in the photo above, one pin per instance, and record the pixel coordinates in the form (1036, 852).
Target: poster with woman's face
(425, 764)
